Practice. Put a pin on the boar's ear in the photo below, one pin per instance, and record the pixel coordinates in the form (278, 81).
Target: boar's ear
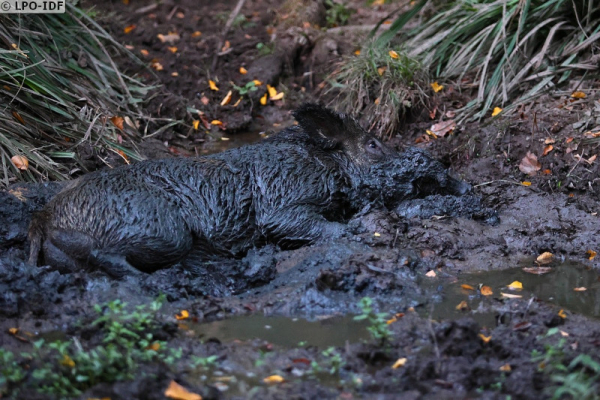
(323, 125)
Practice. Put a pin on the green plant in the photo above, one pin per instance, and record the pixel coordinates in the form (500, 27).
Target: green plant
(265, 49)
(337, 13)
(511, 49)
(579, 378)
(333, 362)
(11, 372)
(248, 87)
(204, 362)
(380, 83)
(378, 326)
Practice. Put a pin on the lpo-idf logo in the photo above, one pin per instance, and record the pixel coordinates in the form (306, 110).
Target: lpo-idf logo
(32, 6)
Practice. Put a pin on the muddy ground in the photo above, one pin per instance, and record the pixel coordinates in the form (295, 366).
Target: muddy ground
(414, 270)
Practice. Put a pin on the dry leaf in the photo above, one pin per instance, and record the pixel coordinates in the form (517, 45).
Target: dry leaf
(580, 289)
(272, 91)
(485, 339)
(467, 287)
(497, 110)
(263, 100)
(243, 71)
(562, 314)
(462, 306)
(357, 53)
(436, 87)
(393, 54)
(273, 379)
(578, 95)
(486, 291)
(237, 102)
(549, 141)
(175, 74)
(526, 183)
(67, 361)
(381, 70)
(529, 164)
(443, 128)
(128, 29)
(196, 34)
(278, 96)
(568, 140)
(171, 38)
(13, 331)
(213, 85)
(545, 258)
(547, 149)
(178, 392)
(117, 121)
(431, 274)
(505, 368)
(157, 66)
(204, 100)
(591, 254)
(516, 285)
(564, 334)
(399, 363)
(18, 117)
(196, 123)
(154, 346)
(227, 99)
(172, 49)
(144, 52)
(216, 122)
(184, 314)
(21, 162)
(226, 46)
(433, 135)
(511, 296)
(377, 100)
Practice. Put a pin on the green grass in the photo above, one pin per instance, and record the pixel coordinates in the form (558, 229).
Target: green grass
(512, 51)
(59, 87)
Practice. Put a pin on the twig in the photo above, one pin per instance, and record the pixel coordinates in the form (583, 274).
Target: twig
(232, 16)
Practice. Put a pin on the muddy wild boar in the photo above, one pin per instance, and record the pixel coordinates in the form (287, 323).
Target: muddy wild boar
(291, 189)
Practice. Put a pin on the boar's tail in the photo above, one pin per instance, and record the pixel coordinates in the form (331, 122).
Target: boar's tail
(36, 235)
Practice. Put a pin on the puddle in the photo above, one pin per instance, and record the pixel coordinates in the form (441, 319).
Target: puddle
(555, 287)
(286, 332)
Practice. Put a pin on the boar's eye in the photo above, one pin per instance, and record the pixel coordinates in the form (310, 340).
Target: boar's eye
(374, 147)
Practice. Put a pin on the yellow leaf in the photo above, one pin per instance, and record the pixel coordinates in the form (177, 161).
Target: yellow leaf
(216, 122)
(196, 124)
(237, 102)
(505, 368)
(257, 82)
(263, 100)
(357, 53)
(545, 258)
(157, 66)
(436, 87)
(516, 285)
(227, 99)
(67, 361)
(486, 291)
(430, 133)
(243, 71)
(578, 95)
(178, 392)
(591, 254)
(393, 54)
(213, 85)
(377, 234)
(196, 34)
(391, 320)
(381, 70)
(526, 183)
(497, 110)
(562, 314)
(172, 49)
(273, 379)
(272, 91)
(278, 96)
(485, 339)
(399, 363)
(462, 306)
(128, 29)
(184, 314)
(21, 162)
(467, 287)
(13, 331)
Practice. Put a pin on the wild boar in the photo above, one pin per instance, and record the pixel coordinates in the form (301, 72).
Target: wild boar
(294, 188)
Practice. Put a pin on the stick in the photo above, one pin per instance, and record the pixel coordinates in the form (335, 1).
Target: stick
(232, 16)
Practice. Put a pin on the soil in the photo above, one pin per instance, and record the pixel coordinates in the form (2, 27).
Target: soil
(416, 271)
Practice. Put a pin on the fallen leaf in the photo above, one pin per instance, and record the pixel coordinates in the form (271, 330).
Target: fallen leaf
(357, 53)
(18, 117)
(547, 172)
(516, 285)
(562, 314)
(67, 361)
(381, 70)
(278, 96)
(591, 254)
(272, 91)
(128, 29)
(117, 121)
(196, 34)
(591, 159)
(522, 326)
(485, 339)
(183, 314)
(180, 15)
(436, 87)
(273, 379)
(497, 110)
(213, 85)
(431, 274)
(172, 49)
(157, 66)
(568, 140)
(433, 135)
(450, 114)
(377, 101)
(547, 149)
(175, 74)
(243, 71)
(226, 46)
(529, 164)
(545, 258)
(13, 331)
(144, 52)
(154, 346)
(467, 287)
(511, 296)
(171, 38)
(399, 363)
(216, 122)
(257, 82)
(376, 234)
(564, 334)
(578, 95)
(537, 270)
(393, 54)
(462, 306)
(505, 368)
(549, 141)
(486, 291)
(580, 289)
(227, 99)
(237, 102)
(196, 123)
(20, 162)
(443, 128)
(526, 183)
(178, 392)
(263, 100)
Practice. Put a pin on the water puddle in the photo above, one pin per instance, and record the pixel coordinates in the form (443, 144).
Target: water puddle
(286, 332)
(555, 287)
